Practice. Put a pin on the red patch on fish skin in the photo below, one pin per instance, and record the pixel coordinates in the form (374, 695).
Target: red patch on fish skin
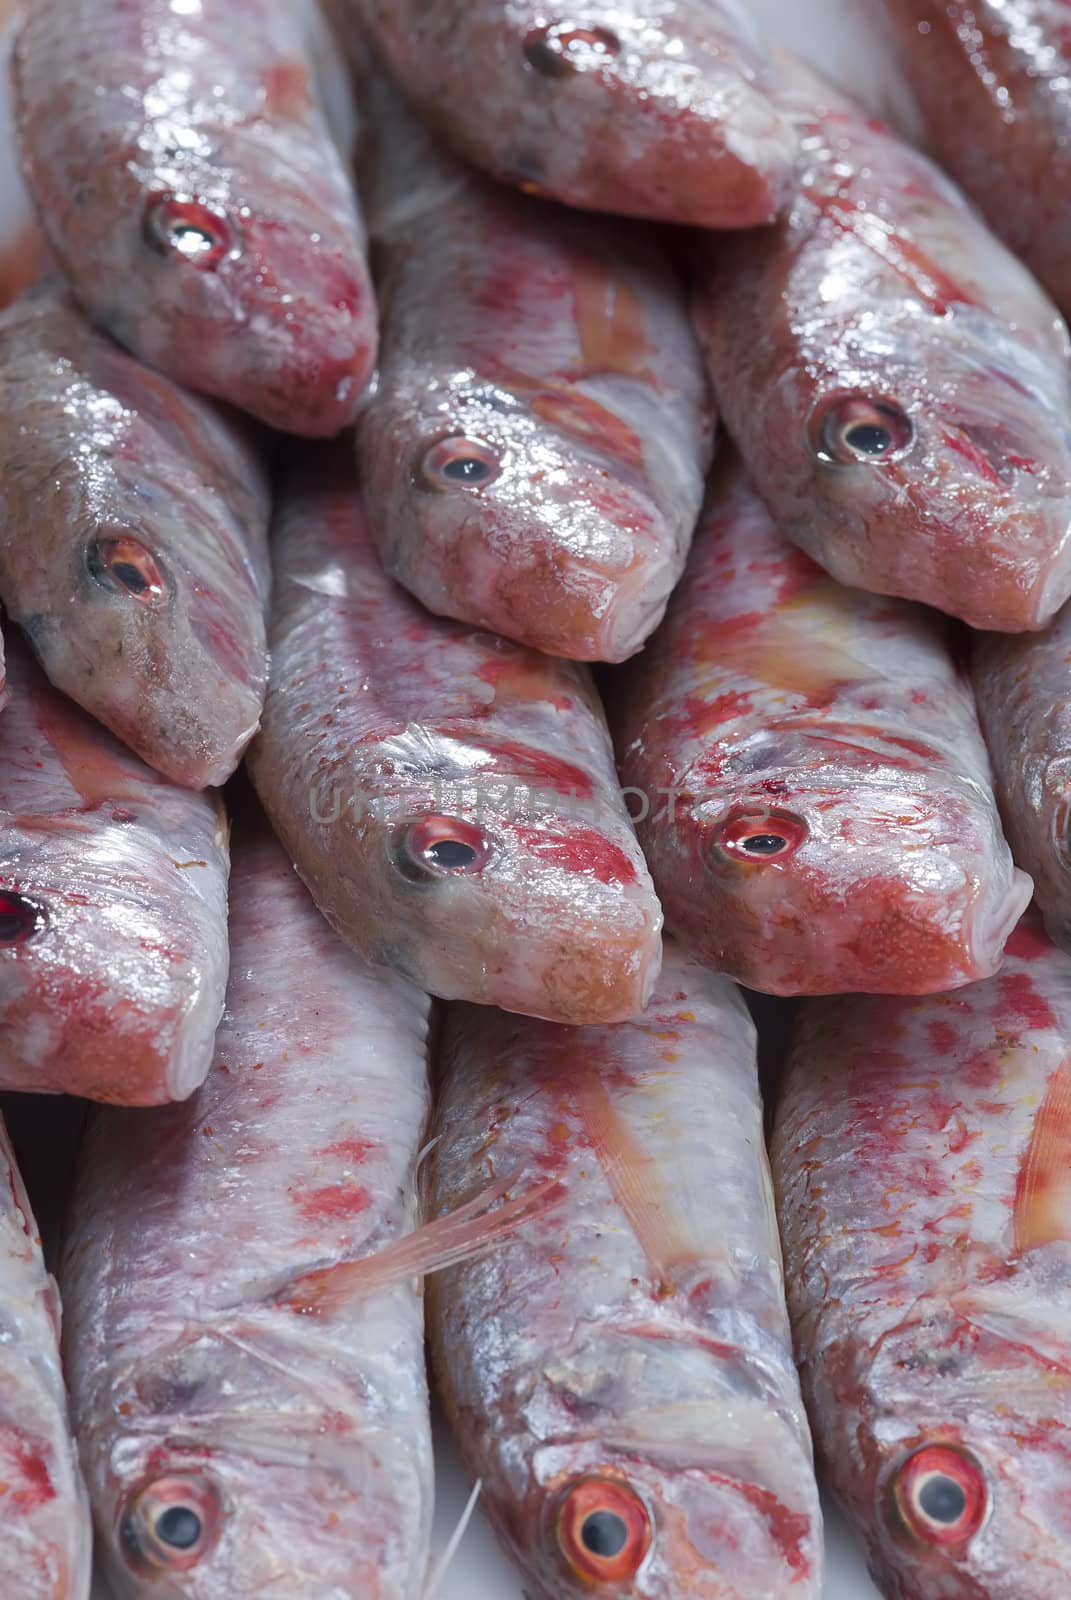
(353, 1149)
(789, 1528)
(942, 1036)
(525, 761)
(333, 1203)
(286, 89)
(982, 1070)
(966, 447)
(36, 1488)
(1021, 1001)
(1028, 941)
(580, 850)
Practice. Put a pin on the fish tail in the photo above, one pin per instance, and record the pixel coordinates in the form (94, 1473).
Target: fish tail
(448, 1241)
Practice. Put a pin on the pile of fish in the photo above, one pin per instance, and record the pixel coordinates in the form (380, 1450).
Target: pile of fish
(522, 480)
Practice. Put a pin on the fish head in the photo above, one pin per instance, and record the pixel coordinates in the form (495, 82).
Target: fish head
(839, 879)
(953, 426)
(245, 1465)
(258, 294)
(506, 891)
(529, 513)
(962, 1467)
(708, 1494)
(155, 622)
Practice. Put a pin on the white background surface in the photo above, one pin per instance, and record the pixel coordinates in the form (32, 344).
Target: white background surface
(838, 35)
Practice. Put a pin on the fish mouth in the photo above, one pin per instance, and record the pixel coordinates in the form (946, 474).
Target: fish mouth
(990, 925)
(636, 610)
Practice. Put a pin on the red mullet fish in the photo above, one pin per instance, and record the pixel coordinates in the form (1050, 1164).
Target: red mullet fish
(922, 1161)
(113, 910)
(990, 79)
(535, 451)
(898, 385)
(653, 108)
(449, 797)
(619, 1373)
(133, 541)
(188, 182)
(45, 1534)
(818, 813)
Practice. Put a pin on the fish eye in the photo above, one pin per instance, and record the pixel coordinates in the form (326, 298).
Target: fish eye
(563, 47)
(124, 564)
(459, 463)
(603, 1530)
(850, 429)
(758, 833)
(441, 847)
(177, 225)
(171, 1523)
(940, 1495)
(20, 918)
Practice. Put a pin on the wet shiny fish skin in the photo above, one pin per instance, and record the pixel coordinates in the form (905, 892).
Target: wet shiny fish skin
(45, 1536)
(189, 183)
(990, 80)
(300, 1150)
(921, 1159)
(631, 1333)
(774, 703)
(881, 302)
(387, 731)
(1021, 686)
(106, 469)
(568, 357)
(115, 989)
(659, 109)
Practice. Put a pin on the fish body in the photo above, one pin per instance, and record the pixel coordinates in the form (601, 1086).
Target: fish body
(189, 184)
(113, 910)
(819, 814)
(661, 109)
(990, 80)
(232, 1446)
(448, 796)
(133, 541)
(921, 1157)
(897, 382)
(622, 1366)
(535, 450)
(45, 1535)
(1023, 690)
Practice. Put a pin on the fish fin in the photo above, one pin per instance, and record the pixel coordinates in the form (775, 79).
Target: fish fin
(453, 1544)
(634, 1182)
(1043, 1192)
(94, 771)
(460, 1236)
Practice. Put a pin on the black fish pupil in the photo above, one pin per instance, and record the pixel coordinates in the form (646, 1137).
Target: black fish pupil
(605, 1534)
(943, 1500)
(764, 844)
(179, 1527)
(18, 919)
(451, 854)
(130, 577)
(868, 439)
(466, 469)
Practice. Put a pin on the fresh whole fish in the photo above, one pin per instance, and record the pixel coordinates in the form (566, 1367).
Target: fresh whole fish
(921, 1158)
(662, 109)
(189, 183)
(1023, 689)
(535, 450)
(990, 79)
(45, 1534)
(113, 910)
(133, 541)
(898, 384)
(233, 1446)
(619, 1373)
(820, 814)
(448, 796)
